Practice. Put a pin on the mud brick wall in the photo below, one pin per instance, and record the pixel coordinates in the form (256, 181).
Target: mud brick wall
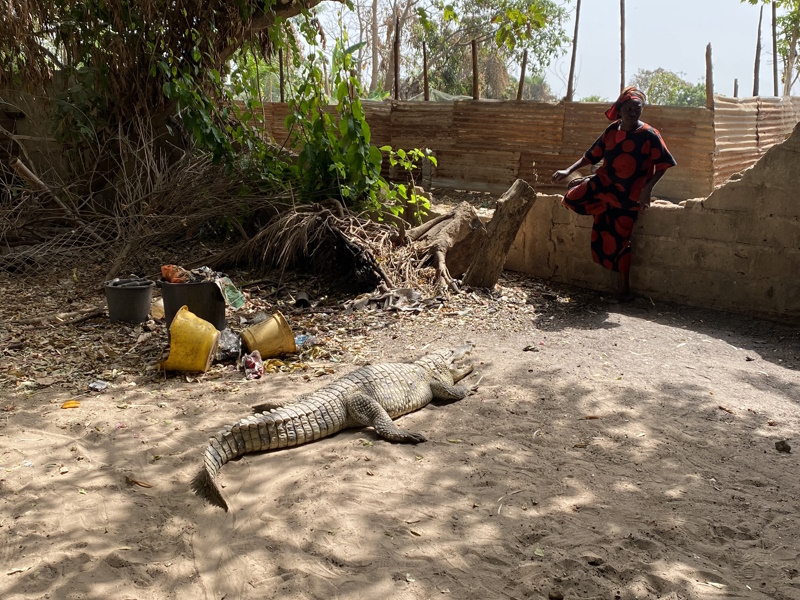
(738, 249)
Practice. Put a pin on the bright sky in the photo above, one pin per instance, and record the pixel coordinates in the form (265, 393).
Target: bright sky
(672, 35)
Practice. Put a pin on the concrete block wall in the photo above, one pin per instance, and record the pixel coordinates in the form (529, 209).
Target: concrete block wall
(738, 249)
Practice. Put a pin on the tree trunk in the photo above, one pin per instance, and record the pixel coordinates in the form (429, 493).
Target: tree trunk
(571, 81)
(511, 210)
(788, 76)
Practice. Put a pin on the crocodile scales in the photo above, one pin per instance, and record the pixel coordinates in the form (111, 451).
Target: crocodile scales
(369, 396)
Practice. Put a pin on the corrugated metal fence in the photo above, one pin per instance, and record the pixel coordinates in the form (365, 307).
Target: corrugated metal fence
(486, 145)
(745, 128)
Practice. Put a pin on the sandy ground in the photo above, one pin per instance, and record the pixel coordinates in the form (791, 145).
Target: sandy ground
(610, 452)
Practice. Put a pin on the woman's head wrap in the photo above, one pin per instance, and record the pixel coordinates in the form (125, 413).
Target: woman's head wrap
(627, 94)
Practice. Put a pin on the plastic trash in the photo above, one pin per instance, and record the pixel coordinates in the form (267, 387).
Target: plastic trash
(229, 345)
(304, 341)
(233, 297)
(98, 386)
(253, 365)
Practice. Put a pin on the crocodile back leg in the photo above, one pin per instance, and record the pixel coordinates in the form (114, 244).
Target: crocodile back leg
(364, 410)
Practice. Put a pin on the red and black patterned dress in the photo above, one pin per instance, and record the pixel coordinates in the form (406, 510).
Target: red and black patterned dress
(611, 195)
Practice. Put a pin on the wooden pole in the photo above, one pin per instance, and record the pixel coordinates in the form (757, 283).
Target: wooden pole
(571, 81)
(280, 61)
(475, 91)
(774, 49)
(426, 89)
(735, 88)
(522, 75)
(622, 44)
(757, 67)
(709, 79)
(397, 58)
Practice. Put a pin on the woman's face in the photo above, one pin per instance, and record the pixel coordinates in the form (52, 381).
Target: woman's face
(631, 109)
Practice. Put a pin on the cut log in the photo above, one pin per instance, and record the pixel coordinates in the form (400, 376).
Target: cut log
(511, 210)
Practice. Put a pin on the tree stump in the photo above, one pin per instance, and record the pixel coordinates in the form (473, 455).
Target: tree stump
(459, 244)
(449, 242)
(511, 210)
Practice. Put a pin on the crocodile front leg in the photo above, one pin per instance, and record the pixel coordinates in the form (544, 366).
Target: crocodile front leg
(443, 391)
(366, 411)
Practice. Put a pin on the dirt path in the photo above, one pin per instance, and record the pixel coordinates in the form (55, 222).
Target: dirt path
(611, 452)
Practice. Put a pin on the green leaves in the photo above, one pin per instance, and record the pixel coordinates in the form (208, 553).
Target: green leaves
(336, 158)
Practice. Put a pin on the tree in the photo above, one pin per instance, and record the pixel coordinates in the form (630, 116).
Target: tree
(503, 30)
(668, 88)
(134, 56)
(788, 24)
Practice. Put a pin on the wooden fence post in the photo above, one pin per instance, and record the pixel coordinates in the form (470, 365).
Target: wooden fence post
(571, 81)
(757, 67)
(475, 91)
(280, 61)
(709, 79)
(735, 88)
(426, 90)
(521, 86)
(622, 44)
(774, 49)
(397, 58)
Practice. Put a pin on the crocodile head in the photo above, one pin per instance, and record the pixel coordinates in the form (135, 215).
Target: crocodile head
(449, 364)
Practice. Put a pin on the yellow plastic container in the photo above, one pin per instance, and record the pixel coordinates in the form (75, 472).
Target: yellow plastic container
(193, 342)
(272, 337)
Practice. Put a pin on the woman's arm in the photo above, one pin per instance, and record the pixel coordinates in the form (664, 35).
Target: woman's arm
(564, 173)
(647, 190)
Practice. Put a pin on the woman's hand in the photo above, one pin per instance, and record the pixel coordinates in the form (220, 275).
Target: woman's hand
(561, 175)
(645, 199)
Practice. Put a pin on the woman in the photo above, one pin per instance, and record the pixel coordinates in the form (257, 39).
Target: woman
(634, 159)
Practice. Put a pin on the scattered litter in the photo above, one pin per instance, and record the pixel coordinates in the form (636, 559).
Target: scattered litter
(16, 570)
(727, 410)
(229, 346)
(71, 404)
(98, 386)
(253, 365)
(302, 300)
(302, 342)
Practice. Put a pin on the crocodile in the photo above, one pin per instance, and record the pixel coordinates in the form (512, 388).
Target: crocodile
(369, 396)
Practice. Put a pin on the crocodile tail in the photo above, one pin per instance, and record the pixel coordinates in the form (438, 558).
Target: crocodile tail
(292, 425)
(222, 448)
(204, 486)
